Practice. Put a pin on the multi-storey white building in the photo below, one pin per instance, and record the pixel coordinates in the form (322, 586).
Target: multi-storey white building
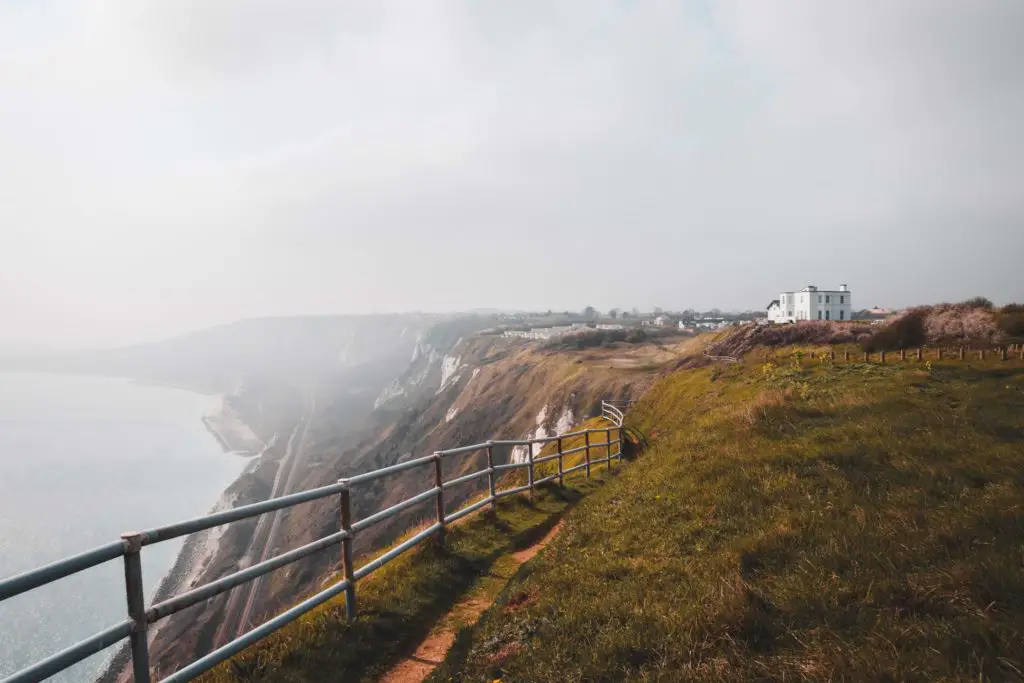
(811, 303)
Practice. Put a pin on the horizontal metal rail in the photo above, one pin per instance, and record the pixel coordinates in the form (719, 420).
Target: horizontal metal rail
(180, 602)
(511, 466)
(376, 564)
(394, 509)
(58, 570)
(72, 655)
(166, 533)
(225, 652)
(393, 469)
(509, 492)
(130, 545)
(469, 509)
(464, 449)
(575, 468)
(468, 477)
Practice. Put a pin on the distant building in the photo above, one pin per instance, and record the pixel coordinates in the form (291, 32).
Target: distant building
(810, 303)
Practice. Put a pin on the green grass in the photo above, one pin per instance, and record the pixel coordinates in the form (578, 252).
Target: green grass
(400, 602)
(790, 521)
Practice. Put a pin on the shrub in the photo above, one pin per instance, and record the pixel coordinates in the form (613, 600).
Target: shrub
(979, 302)
(1010, 320)
(811, 332)
(905, 331)
(636, 336)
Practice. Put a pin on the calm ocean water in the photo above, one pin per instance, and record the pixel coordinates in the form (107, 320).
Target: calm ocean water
(81, 460)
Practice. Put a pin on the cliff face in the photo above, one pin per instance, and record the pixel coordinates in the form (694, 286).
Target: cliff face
(453, 386)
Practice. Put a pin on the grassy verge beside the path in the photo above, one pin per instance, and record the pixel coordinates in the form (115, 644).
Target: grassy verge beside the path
(790, 521)
(400, 602)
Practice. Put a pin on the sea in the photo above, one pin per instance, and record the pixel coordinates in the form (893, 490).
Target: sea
(83, 459)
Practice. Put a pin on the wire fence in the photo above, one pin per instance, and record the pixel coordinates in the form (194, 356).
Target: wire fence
(922, 353)
(139, 618)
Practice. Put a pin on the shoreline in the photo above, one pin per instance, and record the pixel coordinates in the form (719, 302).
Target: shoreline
(233, 434)
(200, 548)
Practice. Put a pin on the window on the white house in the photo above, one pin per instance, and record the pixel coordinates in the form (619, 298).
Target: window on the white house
(842, 315)
(842, 299)
(828, 315)
(827, 299)
(819, 315)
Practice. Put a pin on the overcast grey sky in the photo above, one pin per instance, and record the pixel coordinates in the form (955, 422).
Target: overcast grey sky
(171, 165)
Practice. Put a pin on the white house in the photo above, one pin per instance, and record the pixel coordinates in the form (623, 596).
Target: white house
(811, 303)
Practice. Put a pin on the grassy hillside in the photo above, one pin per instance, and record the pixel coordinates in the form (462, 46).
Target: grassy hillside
(791, 521)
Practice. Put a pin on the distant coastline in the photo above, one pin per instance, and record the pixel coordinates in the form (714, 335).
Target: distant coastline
(229, 429)
(235, 437)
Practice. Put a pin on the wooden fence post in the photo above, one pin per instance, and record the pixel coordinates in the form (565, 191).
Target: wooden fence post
(903, 354)
(586, 451)
(867, 357)
(346, 552)
(881, 356)
(981, 354)
(439, 483)
(961, 353)
(831, 357)
(846, 355)
(1003, 353)
(561, 470)
(490, 476)
(938, 353)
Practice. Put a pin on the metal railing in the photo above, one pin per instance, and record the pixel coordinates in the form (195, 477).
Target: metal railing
(129, 547)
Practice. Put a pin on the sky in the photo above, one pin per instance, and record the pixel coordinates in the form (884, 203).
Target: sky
(168, 166)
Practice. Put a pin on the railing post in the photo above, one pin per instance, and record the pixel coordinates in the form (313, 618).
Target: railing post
(139, 638)
(529, 457)
(903, 354)
(561, 470)
(620, 443)
(586, 451)
(608, 447)
(490, 476)
(438, 482)
(346, 552)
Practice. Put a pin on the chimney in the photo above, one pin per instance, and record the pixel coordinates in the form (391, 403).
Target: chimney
(843, 288)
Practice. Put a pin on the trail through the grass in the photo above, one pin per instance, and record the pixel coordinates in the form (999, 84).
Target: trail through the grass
(432, 651)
